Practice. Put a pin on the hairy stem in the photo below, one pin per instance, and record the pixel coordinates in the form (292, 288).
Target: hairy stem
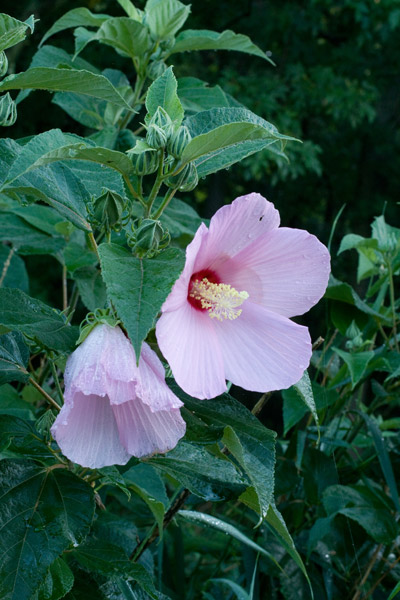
(168, 197)
(44, 394)
(157, 183)
(6, 265)
(56, 381)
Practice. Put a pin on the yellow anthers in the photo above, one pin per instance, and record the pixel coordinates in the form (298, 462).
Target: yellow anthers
(220, 299)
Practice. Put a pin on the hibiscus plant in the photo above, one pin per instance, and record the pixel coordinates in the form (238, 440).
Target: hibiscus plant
(129, 468)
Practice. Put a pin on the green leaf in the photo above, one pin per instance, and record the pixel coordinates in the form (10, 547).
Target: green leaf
(165, 17)
(352, 240)
(357, 363)
(197, 96)
(12, 404)
(15, 276)
(111, 476)
(148, 485)
(279, 529)
(202, 473)
(65, 80)
(91, 287)
(204, 39)
(383, 457)
(14, 356)
(27, 239)
(76, 17)
(338, 290)
(305, 392)
(130, 9)
(12, 31)
(43, 511)
(237, 589)
(45, 325)
(111, 561)
(252, 444)
(395, 591)
(19, 437)
(128, 36)
(223, 136)
(58, 581)
(360, 505)
(212, 522)
(163, 92)
(138, 287)
(43, 218)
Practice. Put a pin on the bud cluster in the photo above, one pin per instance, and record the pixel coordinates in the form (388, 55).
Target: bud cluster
(8, 110)
(105, 211)
(148, 238)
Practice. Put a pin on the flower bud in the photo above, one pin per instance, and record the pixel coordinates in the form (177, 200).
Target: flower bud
(144, 163)
(107, 210)
(156, 137)
(178, 141)
(186, 180)
(3, 64)
(148, 236)
(156, 69)
(8, 111)
(159, 129)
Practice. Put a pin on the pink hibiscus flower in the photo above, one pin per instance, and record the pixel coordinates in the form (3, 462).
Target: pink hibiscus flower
(227, 316)
(113, 409)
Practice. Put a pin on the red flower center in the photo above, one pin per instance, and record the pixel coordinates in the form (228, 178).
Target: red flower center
(211, 276)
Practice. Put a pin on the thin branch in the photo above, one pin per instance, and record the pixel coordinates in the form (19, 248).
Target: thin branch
(6, 265)
(64, 288)
(44, 394)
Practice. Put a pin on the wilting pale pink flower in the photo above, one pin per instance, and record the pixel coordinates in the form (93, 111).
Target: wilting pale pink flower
(227, 316)
(113, 409)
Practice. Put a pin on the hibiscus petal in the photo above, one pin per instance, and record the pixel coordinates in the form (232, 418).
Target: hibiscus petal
(144, 432)
(104, 364)
(285, 270)
(187, 339)
(87, 432)
(179, 292)
(234, 227)
(151, 387)
(263, 351)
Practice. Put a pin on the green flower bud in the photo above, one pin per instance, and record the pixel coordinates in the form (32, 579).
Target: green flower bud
(8, 111)
(178, 141)
(156, 69)
(107, 209)
(156, 137)
(144, 163)
(149, 235)
(186, 180)
(3, 64)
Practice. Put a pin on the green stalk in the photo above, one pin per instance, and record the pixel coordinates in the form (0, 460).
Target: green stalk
(392, 303)
(157, 184)
(168, 197)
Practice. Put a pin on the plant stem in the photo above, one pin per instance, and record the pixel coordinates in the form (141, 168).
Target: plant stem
(6, 265)
(64, 287)
(56, 381)
(157, 183)
(44, 394)
(154, 531)
(392, 303)
(168, 197)
(133, 191)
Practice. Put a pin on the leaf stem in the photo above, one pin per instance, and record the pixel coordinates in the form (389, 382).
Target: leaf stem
(44, 394)
(157, 183)
(168, 197)
(64, 287)
(133, 191)
(94, 244)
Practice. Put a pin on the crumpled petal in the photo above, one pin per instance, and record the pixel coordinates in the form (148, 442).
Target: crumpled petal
(285, 270)
(151, 387)
(143, 432)
(235, 227)
(104, 364)
(87, 433)
(187, 339)
(263, 351)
